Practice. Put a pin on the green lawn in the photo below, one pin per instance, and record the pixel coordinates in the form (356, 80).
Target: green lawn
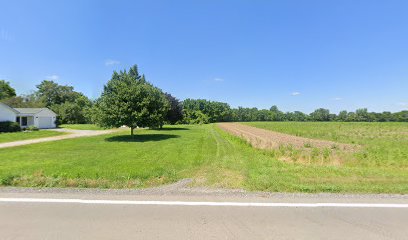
(81, 126)
(204, 153)
(17, 136)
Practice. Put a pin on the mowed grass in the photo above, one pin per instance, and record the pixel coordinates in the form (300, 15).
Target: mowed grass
(81, 126)
(382, 144)
(204, 153)
(18, 136)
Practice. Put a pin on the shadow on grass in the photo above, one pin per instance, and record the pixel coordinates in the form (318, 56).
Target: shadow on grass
(171, 129)
(141, 138)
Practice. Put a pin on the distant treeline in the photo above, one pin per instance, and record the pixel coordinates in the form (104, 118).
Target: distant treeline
(74, 107)
(204, 111)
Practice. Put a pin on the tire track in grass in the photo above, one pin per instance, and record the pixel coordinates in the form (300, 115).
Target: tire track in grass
(220, 172)
(222, 144)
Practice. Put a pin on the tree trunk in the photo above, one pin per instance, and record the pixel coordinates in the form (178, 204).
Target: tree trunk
(131, 131)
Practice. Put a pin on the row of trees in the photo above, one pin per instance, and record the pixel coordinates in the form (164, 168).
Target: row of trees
(128, 99)
(222, 112)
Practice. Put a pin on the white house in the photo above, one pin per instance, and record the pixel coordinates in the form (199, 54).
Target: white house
(26, 117)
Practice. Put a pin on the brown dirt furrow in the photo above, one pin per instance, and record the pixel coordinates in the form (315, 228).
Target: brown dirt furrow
(265, 139)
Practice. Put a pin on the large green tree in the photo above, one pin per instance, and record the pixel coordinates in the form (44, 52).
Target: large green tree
(175, 113)
(215, 111)
(51, 93)
(76, 112)
(128, 99)
(276, 114)
(6, 91)
(70, 106)
(320, 115)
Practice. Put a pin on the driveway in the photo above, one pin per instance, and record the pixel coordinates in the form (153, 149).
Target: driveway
(71, 133)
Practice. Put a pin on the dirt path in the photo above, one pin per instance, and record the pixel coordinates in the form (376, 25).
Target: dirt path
(71, 134)
(266, 139)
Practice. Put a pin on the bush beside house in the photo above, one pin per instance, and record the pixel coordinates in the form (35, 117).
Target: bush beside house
(9, 127)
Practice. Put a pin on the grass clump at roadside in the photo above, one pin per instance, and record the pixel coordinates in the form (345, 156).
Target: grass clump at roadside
(26, 135)
(208, 155)
(81, 126)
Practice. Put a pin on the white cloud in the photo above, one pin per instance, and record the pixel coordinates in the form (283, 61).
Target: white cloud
(110, 62)
(337, 99)
(295, 93)
(53, 77)
(219, 79)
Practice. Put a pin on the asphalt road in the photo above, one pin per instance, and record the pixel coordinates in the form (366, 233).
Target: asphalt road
(133, 220)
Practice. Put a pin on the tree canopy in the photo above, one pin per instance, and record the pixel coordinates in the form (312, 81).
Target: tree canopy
(6, 91)
(215, 111)
(128, 99)
(202, 111)
(175, 113)
(51, 93)
(24, 101)
(72, 107)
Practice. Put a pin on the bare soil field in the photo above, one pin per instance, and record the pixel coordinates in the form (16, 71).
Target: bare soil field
(265, 139)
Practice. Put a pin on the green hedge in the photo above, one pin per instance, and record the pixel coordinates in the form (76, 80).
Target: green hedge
(9, 127)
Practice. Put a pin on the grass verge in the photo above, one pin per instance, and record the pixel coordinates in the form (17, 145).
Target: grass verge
(19, 136)
(81, 126)
(204, 153)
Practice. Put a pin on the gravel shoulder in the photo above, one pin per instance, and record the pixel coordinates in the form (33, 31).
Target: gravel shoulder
(181, 191)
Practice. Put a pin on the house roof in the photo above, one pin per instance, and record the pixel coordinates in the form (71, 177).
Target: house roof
(7, 106)
(30, 110)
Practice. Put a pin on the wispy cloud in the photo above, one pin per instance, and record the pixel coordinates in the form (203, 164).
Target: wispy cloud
(337, 99)
(295, 93)
(403, 104)
(5, 35)
(53, 77)
(219, 79)
(111, 62)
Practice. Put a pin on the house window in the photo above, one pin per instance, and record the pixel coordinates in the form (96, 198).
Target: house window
(18, 119)
(23, 121)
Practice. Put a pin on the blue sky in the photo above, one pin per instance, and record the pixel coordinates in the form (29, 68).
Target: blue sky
(299, 55)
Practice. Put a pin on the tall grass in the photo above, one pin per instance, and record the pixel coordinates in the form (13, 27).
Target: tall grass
(382, 144)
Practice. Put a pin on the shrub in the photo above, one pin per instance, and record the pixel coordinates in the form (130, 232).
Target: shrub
(32, 128)
(195, 117)
(9, 127)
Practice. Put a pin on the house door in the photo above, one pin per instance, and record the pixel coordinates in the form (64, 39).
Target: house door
(24, 121)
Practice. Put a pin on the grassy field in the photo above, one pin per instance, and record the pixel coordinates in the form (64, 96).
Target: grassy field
(81, 126)
(382, 144)
(204, 153)
(18, 136)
